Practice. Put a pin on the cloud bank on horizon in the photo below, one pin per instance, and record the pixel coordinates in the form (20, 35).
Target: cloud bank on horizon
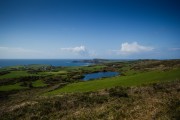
(126, 49)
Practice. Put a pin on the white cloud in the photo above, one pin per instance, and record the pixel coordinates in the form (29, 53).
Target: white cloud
(80, 50)
(130, 48)
(75, 49)
(24, 53)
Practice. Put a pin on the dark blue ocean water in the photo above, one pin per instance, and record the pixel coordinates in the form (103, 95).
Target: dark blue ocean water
(100, 75)
(53, 62)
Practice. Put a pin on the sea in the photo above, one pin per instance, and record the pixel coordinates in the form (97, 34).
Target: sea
(53, 62)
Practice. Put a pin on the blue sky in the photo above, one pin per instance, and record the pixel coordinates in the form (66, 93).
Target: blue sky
(117, 29)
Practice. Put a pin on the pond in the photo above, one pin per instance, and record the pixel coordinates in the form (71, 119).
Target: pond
(99, 75)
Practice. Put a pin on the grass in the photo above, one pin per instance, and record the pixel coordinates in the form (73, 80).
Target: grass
(91, 68)
(54, 73)
(15, 74)
(133, 80)
(128, 96)
(12, 87)
(157, 101)
(86, 68)
(39, 83)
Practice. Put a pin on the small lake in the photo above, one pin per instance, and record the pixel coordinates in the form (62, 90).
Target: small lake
(99, 75)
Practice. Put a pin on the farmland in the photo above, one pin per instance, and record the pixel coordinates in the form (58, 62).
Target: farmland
(144, 89)
(134, 80)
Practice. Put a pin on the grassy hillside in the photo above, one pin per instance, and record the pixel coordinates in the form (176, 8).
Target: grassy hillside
(158, 101)
(38, 83)
(133, 80)
(144, 90)
(16, 86)
(15, 74)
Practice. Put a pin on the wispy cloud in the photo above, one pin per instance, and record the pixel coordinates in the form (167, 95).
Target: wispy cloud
(24, 53)
(11, 49)
(131, 48)
(12, 52)
(80, 50)
(174, 49)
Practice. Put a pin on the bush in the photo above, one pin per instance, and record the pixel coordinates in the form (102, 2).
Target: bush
(4, 72)
(118, 92)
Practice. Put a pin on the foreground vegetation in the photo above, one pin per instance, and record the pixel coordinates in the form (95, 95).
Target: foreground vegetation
(156, 101)
(145, 89)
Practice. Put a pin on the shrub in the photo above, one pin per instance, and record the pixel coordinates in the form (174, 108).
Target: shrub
(118, 92)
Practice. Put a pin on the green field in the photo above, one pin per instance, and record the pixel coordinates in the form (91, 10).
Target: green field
(54, 73)
(145, 89)
(91, 68)
(15, 74)
(39, 83)
(84, 68)
(12, 87)
(17, 86)
(133, 80)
